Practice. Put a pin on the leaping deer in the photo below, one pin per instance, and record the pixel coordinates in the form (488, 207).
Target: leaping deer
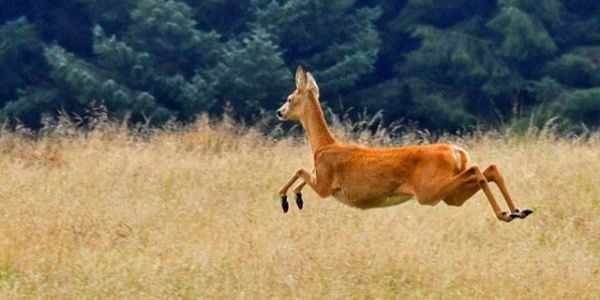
(365, 177)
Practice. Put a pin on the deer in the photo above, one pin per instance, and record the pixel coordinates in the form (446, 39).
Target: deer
(369, 177)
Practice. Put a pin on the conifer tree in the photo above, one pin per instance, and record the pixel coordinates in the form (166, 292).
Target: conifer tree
(444, 64)
(112, 15)
(90, 87)
(524, 39)
(167, 30)
(19, 57)
(140, 71)
(252, 74)
(579, 107)
(229, 18)
(578, 68)
(336, 40)
(23, 74)
(454, 70)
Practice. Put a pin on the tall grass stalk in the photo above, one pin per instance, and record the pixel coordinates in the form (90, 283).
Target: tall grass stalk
(193, 213)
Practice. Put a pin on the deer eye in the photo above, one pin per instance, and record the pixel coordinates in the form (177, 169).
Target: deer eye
(290, 100)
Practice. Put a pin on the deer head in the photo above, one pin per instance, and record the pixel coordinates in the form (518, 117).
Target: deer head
(301, 99)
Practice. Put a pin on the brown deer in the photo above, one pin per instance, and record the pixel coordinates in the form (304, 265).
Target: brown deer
(376, 177)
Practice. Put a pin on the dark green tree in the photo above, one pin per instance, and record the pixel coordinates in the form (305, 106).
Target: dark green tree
(139, 70)
(445, 64)
(441, 14)
(456, 72)
(20, 57)
(23, 73)
(547, 11)
(579, 67)
(524, 38)
(252, 74)
(337, 41)
(167, 30)
(578, 108)
(227, 17)
(112, 15)
(90, 87)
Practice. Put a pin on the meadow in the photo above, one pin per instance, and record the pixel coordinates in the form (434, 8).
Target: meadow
(194, 213)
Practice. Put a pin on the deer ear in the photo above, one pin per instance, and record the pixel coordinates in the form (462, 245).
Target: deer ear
(300, 78)
(311, 84)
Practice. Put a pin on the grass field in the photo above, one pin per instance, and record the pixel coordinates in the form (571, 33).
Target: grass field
(195, 214)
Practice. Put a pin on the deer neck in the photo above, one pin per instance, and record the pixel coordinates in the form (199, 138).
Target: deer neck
(316, 129)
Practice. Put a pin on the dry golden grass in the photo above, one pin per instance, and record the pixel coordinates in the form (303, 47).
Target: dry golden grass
(195, 214)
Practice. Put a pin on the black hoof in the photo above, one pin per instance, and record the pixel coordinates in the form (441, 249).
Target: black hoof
(284, 204)
(525, 213)
(299, 200)
(522, 214)
(515, 215)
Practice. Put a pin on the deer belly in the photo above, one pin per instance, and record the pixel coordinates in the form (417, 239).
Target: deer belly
(371, 202)
(393, 200)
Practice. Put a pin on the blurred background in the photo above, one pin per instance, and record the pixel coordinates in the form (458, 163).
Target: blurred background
(441, 65)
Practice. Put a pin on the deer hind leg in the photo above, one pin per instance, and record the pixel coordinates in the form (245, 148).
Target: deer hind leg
(464, 185)
(492, 174)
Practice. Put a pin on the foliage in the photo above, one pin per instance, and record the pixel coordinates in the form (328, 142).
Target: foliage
(248, 66)
(579, 67)
(336, 40)
(524, 39)
(447, 66)
(20, 58)
(580, 105)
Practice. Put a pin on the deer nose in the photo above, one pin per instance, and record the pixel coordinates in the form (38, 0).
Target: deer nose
(279, 114)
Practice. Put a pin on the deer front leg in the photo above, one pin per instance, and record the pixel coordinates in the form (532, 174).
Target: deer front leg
(298, 192)
(320, 182)
(283, 192)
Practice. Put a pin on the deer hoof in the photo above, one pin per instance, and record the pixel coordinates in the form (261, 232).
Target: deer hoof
(299, 200)
(515, 215)
(284, 204)
(524, 213)
(505, 216)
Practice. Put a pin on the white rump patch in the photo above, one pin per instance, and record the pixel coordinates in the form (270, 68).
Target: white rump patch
(458, 153)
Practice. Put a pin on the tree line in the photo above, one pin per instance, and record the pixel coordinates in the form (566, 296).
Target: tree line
(444, 65)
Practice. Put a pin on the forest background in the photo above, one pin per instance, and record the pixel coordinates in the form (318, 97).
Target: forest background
(442, 65)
